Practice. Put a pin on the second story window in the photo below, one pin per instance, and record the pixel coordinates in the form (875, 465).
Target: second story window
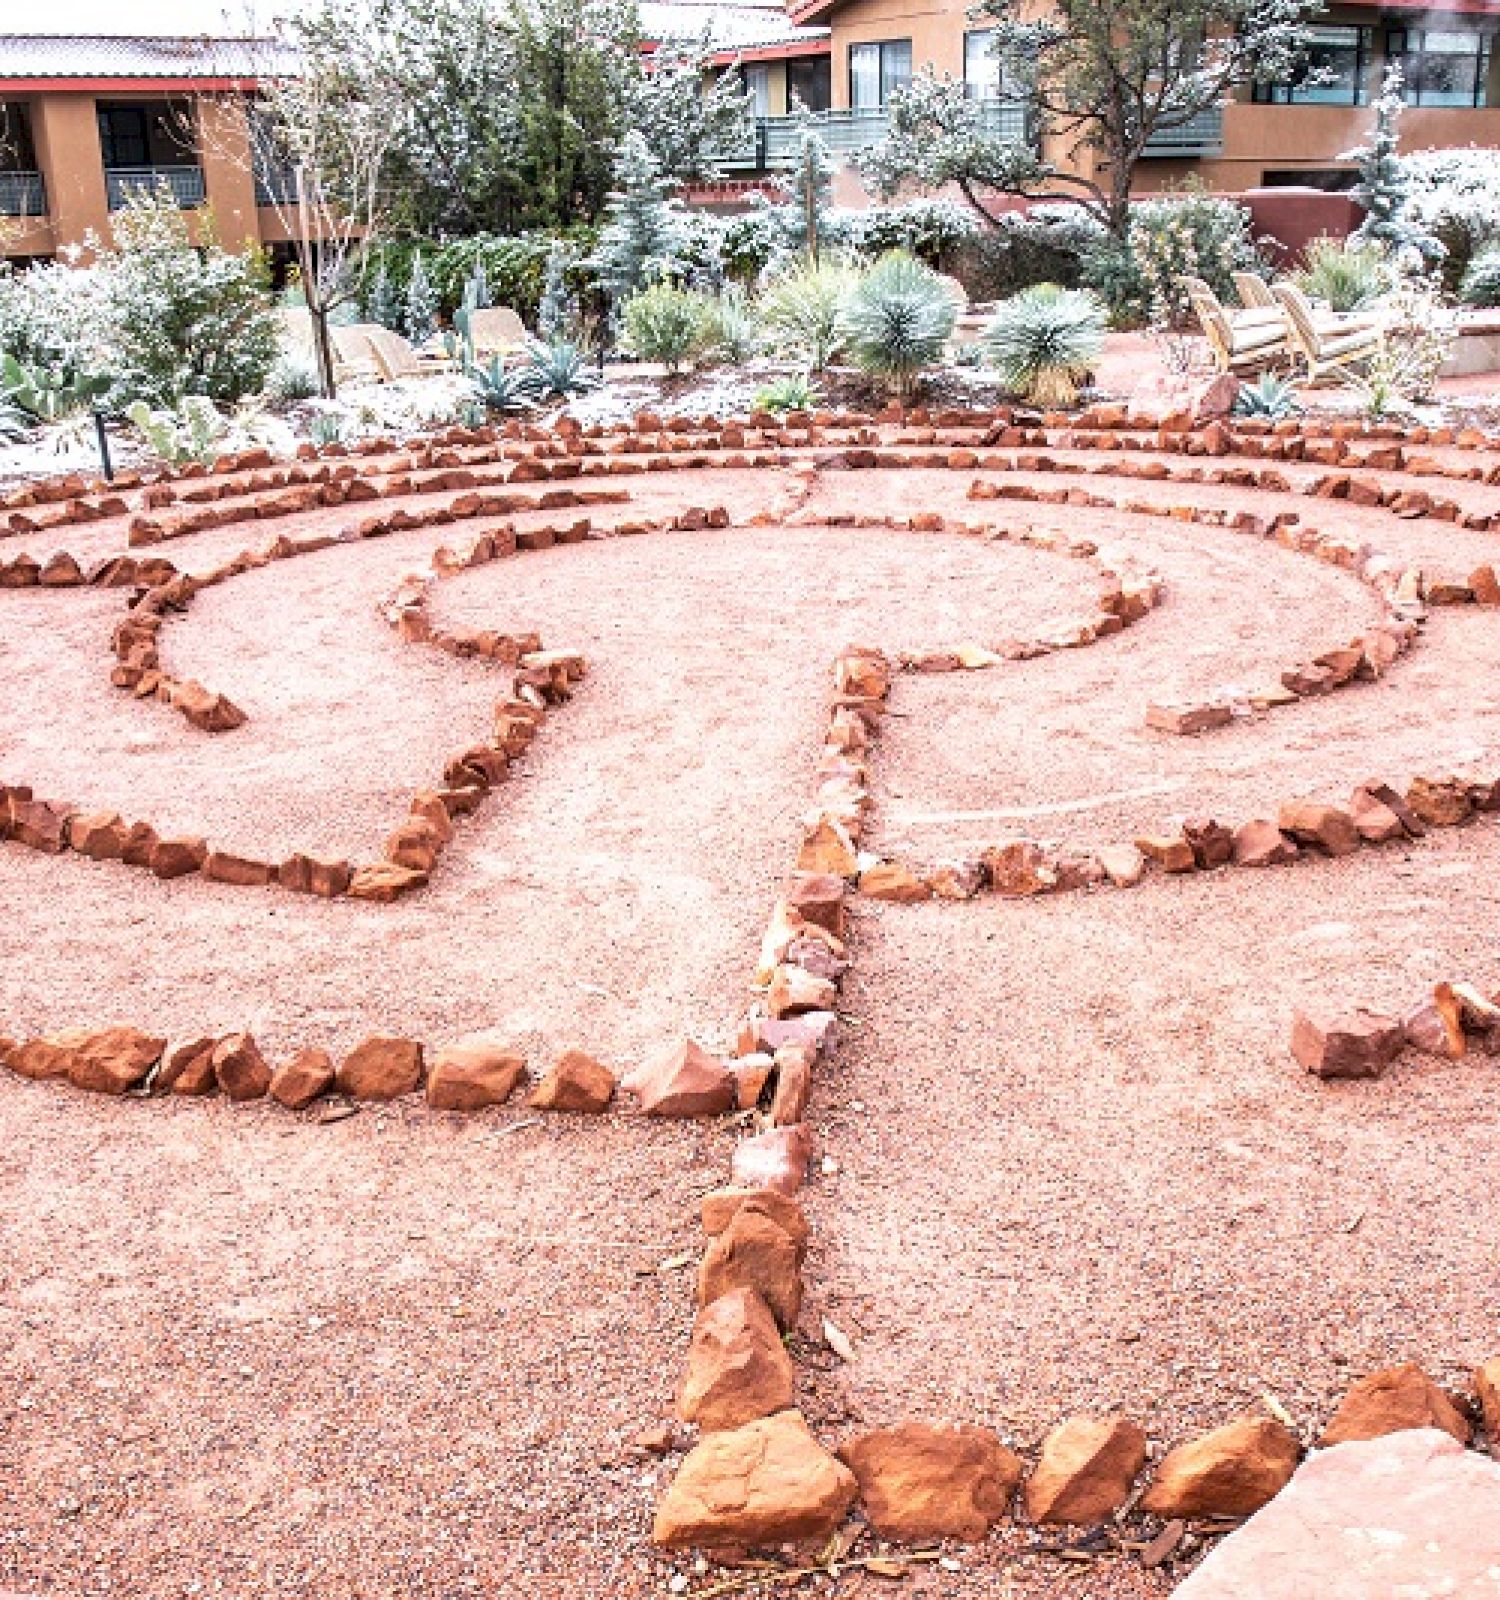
(876, 71)
(981, 65)
(758, 86)
(1442, 69)
(1334, 73)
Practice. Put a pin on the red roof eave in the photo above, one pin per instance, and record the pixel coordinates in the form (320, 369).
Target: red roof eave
(800, 12)
(61, 85)
(773, 52)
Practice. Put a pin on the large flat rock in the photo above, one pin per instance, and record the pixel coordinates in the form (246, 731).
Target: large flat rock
(1411, 1516)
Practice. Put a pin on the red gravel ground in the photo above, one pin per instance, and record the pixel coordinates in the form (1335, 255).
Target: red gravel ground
(249, 1354)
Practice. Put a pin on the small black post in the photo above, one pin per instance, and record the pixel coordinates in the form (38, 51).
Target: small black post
(103, 438)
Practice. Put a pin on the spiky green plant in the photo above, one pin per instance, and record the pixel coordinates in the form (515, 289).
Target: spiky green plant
(1044, 341)
(500, 388)
(49, 393)
(1481, 285)
(897, 319)
(802, 310)
(1345, 275)
(560, 370)
(193, 431)
(1269, 396)
(795, 392)
(733, 329)
(666, 324)
(14, 423)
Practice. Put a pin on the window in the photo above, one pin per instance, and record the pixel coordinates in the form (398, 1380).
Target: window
(1333, 75)
(758, 84)
(810, 82)
(1441, 69)
(876, 71)
(981, 66)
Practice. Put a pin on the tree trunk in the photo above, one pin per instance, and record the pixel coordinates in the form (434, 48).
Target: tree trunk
(323, 350)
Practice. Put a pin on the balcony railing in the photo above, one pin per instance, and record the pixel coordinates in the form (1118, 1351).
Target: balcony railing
(22, 194)
(186, 184)
(776, 141)
(1202, 135)
(275, 186)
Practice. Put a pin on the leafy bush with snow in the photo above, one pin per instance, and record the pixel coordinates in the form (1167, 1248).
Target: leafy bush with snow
(1455, 195)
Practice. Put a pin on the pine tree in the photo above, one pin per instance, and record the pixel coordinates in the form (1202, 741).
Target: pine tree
(382, 303)
(809, 184)
(642, 241)
(421, 304)
(555, 311)
(1384, 189)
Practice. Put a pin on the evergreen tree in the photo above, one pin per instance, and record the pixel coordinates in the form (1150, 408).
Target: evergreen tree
(382, 303)
(1384, 188)
(477, 295)
(809, 185)
(555, 311)
(421, 304)
(642, 241)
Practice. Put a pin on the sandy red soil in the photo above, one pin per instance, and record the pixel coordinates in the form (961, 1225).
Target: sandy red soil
(250, 1354)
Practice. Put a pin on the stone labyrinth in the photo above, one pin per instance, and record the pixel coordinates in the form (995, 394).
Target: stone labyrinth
(788, 776)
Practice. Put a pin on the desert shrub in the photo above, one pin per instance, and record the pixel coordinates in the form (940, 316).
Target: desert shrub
(292, 378)
(183, 320)
(1044, 341)
(666, 324)
(1455, 195)
(1047, 244)
(732, 329)
(1481, 285)
(802, 310)
(933, 231)
(1346, 275)
(897, 318)
(54, 317)
(1191, 234)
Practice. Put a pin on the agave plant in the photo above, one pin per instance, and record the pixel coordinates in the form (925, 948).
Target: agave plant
(1044, 342)
(500, 388)
(14, 423)
(560, 370)
(48, 394)
(1269, 396)
(897, 320)
(795, 392)
(803, 310)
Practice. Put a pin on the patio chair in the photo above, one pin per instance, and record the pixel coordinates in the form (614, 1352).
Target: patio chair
(1240, 342)
(353, 354)
(1254, 292)
(397, 357)
(1328, 343)
(498, 331)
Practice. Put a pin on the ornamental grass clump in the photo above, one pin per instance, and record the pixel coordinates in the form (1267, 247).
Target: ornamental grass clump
(1044, 342)
(803, 311)
(897, 319)
(1345, 275)
(666, 324)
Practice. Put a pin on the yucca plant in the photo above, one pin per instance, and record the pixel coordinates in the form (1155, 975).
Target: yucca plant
(560, 370)
(1269, 396)
(897, 320)
(795, 392)
(1044, 342)
(1345, 276)
(666, 324)
(1481, 285)
(803, 311)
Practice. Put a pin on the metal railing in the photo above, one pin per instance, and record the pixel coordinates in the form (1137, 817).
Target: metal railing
(22, 194)
(776, 141)
(186, 184)
(1201, 135)
(275, 186)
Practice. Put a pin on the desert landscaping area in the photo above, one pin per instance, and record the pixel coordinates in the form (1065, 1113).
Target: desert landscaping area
(1019, 1039)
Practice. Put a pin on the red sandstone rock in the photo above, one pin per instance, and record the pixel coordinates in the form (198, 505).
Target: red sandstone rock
(793, 990)
(177, 858)
(302, 1078)
(776, 1159)
(1180, 718)
(384, 882)
(827, 849)
(686, 1082)
(720, 1207)
(381, 1068)
(188, 1068)
(1327, 828)
(737, 1367)
(1374, 820)
(242, 1071)
(957, 880)
(1487, 1392)
(100, 834)
(104, 1060)
(754, 1252)
(221, 867)
(1230, 1472)
(1212, 842)
(1356, 1044)
(39, 824)
(308, 875)
(1170, 852)
(922, 1482)
(1259, 843)
(892, 881)
(1020, 868)
(1085, 1470)
(819, 899)
(416, 845)
(472, 1073)
(1388, 1401)
(1385, 795)
(576, 1082)
(1440, 802)
(1436, 1027)
(765, 1483)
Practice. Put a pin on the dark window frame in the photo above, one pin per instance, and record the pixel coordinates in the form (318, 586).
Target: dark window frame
(887, 81)
(1399, 47)
(1292, 93)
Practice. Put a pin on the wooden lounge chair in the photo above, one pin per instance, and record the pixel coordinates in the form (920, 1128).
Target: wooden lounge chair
(1327, 343)
(1254, 292)
(498, 331)
(397, 357)
(1243, 341)
(354, 355)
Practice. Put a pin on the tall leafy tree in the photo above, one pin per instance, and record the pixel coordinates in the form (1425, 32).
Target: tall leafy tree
(1102, 77)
